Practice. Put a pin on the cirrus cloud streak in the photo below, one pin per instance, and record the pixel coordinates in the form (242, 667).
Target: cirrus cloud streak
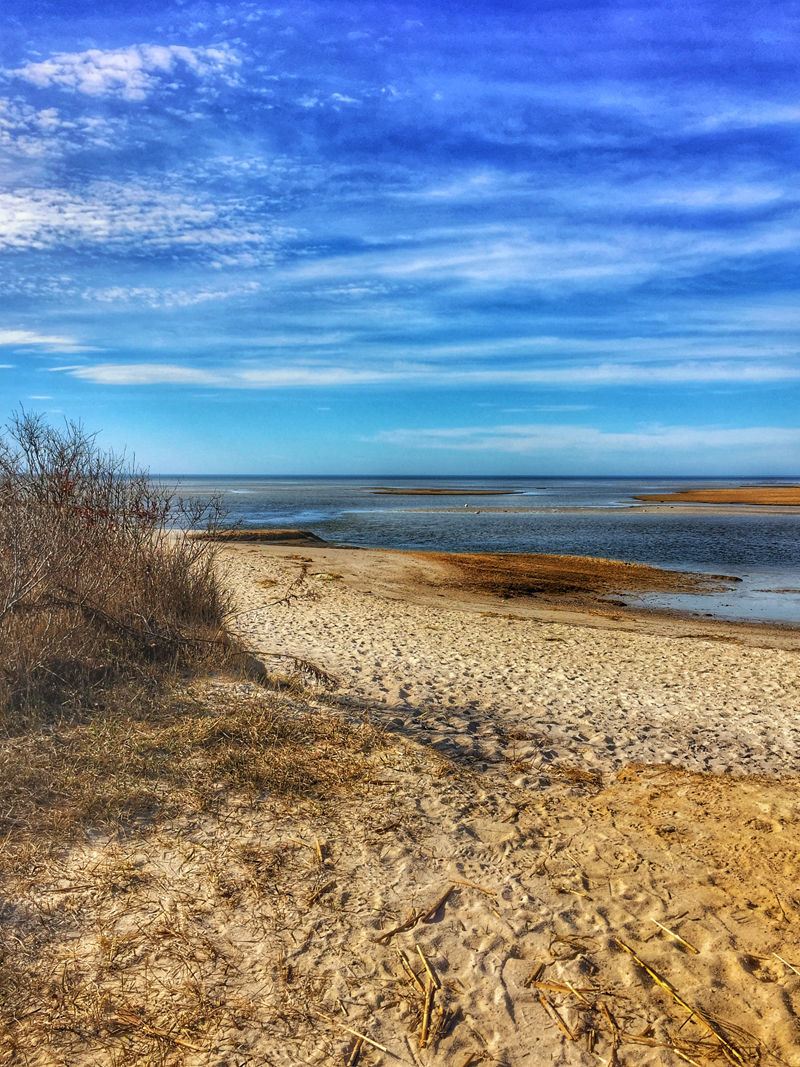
(588, 440)
(299, 375)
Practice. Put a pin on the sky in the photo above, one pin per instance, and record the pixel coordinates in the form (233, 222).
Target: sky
(401, 238)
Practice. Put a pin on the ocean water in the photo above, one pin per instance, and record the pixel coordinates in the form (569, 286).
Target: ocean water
(763, 551)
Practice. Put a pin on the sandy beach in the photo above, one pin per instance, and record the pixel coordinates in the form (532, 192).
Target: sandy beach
(605, 688)
(573, 838)
(630, 783)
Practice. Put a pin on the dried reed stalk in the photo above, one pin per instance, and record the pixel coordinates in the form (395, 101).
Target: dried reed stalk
(411, 972)
(428, 968)
(356, 1053)
(551, 1011)
(488, 892)
(729, 1049)
(426, 1014)
(432, 911)
(677, 937)
(364, 1037)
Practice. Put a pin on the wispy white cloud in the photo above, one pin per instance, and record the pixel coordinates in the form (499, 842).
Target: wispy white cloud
(687, 109)
(683, 348)
(306, 375)
(588, 440)
(130, 73)
(246, 378)
(558, 258)
(737, 189)
(144, 374)
(632, 374)
(33, 337)
(564, 407)
(299, 376)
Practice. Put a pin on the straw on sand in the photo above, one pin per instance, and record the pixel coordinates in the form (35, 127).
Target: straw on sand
(364, 1037)
(677, 937)
(428, 968)
(551, 1011)
(426, 1014)
(488, 892)
(415, 917)
(729, 1049)
(410, 970)
(355, 1054)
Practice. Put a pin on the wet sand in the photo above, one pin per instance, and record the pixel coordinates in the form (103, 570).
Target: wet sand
(273, 535)
(578, 581)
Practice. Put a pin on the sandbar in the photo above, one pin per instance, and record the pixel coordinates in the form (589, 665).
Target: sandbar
(273, 535)
(390, 491)
(787, 495)
(623, 509)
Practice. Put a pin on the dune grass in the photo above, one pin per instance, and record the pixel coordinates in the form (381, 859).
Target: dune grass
(109, 608)
(98, 578)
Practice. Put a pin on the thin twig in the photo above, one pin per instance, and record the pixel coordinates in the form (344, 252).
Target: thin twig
(488, 892)
(785, 963)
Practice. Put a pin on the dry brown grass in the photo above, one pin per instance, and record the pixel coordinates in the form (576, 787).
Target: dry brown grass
(96, 583)
(123, 835)
(147, 756)
(124, 710)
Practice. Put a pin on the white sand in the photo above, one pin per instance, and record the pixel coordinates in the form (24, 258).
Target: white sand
(463, 677)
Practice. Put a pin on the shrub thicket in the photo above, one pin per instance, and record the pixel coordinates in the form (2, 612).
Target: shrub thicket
(98, 576)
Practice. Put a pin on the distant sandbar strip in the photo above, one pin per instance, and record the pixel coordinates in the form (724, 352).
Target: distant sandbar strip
(623, 509)
(380, 490)
(787, 495)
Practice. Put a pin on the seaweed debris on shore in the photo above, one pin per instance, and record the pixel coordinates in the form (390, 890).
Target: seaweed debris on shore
(275, 537)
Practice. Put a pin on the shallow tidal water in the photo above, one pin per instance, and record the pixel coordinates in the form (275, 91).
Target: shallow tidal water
(762, 550)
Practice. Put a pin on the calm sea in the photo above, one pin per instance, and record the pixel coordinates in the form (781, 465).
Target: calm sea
(762, 550)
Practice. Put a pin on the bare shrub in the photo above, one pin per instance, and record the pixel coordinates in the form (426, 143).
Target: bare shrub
(97, 572)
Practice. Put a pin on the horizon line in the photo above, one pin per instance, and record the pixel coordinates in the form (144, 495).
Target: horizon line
(489, 477)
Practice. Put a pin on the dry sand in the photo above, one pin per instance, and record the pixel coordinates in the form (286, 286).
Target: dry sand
(402, 635)
(591, 777)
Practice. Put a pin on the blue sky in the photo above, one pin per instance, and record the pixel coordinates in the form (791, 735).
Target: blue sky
(335, 237)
